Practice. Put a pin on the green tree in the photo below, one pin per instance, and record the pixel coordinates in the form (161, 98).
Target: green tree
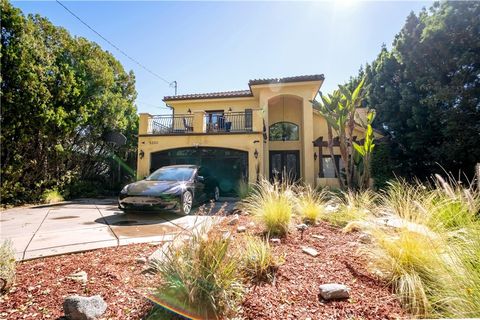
(60, 96)
(426, 91)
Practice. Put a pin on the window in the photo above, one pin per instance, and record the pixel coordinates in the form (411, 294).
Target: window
(329, 169)
(283, 131)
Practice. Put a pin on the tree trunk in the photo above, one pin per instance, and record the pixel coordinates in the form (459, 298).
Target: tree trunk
(332, 154)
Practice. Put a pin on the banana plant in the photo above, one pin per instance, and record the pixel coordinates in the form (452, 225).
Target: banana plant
(339, 109)
(365, 152)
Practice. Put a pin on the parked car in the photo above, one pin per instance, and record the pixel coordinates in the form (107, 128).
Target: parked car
(176, 188)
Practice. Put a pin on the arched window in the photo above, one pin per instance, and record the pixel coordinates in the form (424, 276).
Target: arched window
(283, 131)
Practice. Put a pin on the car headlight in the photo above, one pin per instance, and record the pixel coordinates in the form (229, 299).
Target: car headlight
(125, 189)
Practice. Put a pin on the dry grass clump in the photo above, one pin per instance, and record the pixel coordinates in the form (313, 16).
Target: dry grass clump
(7, 266)
(310, 204)
(351, 207)
(272, 205)
(52, 196)
(257, 259)
(433, 269)
(201, 276)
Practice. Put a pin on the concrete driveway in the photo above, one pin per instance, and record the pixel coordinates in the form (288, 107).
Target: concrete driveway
(90, 224)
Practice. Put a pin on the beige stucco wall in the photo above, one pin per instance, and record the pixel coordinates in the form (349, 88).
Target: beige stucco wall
(236, 104)
(244, 142)
(267, 105)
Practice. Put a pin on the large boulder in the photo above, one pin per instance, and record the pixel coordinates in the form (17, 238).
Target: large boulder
(84, 308)
(334, 291)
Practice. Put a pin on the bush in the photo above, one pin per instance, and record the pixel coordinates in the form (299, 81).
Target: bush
(310, 204)
(52, 196)
(258, 261)
(271, 204)
(88, 189)
(7, 266)
(201, 276)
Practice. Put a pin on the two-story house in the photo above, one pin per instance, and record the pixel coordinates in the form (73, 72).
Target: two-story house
(268, 130)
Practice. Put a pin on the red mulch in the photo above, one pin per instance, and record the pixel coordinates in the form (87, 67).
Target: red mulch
(295, 292)
(42, 284)
(113, 273)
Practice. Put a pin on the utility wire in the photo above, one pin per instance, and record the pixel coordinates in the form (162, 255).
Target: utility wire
(170, 83)
(152, 105)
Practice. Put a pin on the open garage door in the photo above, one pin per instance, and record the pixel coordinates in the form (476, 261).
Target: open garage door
(228, 166)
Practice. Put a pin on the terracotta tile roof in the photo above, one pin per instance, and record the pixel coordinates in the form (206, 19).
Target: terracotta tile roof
(314, 77)
(244, 93)
(211, 95)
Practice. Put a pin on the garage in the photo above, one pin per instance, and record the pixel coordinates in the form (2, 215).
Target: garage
(228, 166)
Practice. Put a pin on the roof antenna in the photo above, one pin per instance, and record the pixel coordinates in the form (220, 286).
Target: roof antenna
(174, 84)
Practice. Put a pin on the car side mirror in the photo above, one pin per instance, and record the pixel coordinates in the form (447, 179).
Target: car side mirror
(200, 178)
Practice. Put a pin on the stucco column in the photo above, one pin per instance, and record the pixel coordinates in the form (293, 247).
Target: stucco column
(143, 123)
(199, 124)
(307, 143)
(264, 120)
(143, 163)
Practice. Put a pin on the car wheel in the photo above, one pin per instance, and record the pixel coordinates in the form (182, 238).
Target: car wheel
(187, 202)
(216, 193)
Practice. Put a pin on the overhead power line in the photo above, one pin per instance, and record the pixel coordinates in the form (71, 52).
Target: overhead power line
(170, 83)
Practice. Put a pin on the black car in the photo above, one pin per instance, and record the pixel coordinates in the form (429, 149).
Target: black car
(170, 188)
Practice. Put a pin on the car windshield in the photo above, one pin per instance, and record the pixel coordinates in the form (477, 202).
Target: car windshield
(171, 174)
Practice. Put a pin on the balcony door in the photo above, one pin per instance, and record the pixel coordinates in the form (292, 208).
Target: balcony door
(285, 164)
(215, 121)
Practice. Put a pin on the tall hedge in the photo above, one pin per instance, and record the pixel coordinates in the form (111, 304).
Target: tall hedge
(60, 96)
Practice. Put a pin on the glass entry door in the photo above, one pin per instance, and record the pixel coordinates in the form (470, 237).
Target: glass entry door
(285, 164)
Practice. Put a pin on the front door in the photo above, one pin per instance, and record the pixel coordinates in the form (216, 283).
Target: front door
(285, 164)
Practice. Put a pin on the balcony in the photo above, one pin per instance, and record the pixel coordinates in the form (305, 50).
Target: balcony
(201, 122)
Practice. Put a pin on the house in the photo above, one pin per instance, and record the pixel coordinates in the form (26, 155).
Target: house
(268, 130)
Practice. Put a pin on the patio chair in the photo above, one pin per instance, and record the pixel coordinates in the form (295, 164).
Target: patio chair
(187, 127)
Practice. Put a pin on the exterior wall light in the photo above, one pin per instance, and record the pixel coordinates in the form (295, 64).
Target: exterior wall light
(141, 154)
(315, 156)
(255, 154)
(189, 111)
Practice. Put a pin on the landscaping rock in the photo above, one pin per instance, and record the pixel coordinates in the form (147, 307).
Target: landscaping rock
(241, 229)
(141, 260)
(275, 241)
(302, 227)
(310, 251)
(334, 291)
(84, 308)
(234, 220)
(316, 236)
(80, 276)
(365, 238)
(251, 224)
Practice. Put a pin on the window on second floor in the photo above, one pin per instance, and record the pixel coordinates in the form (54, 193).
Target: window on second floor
(284, 131)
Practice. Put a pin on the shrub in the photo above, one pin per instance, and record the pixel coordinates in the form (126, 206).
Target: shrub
(258, 261)
(52, 196)
(272, 205)
(310, 204)
(7, 266)
(87, 189)
(201, 276)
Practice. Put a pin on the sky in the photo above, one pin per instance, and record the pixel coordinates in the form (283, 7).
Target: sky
(220, 46)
